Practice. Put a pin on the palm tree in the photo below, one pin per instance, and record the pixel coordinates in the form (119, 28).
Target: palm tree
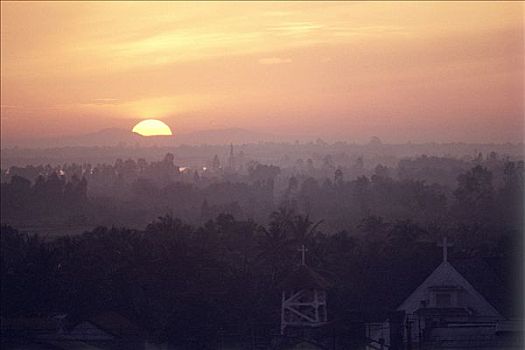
(275, 243)
(304, 229)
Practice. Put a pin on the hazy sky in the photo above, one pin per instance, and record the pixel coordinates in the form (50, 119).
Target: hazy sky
(437, 71)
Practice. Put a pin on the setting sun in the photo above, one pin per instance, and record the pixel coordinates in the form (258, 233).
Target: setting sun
(152, 127)
(340, 70)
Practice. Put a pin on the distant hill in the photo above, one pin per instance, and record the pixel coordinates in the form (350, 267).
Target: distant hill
(224, 136)
(105, 137)
(114, 137)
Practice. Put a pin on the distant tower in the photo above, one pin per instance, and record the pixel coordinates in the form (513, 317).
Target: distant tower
(216, 164)
(303, 297)
(338, 177)
(231, 159)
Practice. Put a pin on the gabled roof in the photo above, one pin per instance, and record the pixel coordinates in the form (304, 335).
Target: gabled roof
(474, 275)
(483, 274)
(394, 283)
(115, 324)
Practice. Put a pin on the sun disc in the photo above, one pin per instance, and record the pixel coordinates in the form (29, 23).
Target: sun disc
(152, 127)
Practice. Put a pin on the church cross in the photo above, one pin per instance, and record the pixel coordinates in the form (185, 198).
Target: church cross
(445, 246)
(303, 251)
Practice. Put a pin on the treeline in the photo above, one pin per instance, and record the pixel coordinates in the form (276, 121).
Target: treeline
(474, 200)
(50, 199)
(373, 235)
(489, 193)
(178, 281)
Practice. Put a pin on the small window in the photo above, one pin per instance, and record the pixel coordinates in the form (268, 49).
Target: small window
(443, 300)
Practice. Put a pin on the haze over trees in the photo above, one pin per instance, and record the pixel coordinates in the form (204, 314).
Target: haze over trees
(160, 242)
(339, 188)
(262, 175)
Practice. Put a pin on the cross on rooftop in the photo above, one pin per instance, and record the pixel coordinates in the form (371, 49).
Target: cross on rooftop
(444, 244)
(303, 251)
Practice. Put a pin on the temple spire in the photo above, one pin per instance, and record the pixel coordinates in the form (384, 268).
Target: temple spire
(231, 159)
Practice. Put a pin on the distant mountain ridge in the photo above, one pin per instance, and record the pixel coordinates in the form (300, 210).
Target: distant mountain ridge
(222, 136)
(115, 136)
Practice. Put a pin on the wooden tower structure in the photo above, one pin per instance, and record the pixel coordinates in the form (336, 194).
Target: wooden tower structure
(303, 301)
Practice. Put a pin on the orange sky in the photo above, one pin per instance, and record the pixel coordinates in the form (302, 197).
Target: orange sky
(432, 71)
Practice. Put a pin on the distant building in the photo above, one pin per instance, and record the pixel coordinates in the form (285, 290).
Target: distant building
(108, 330)
(458, 306)
(105, 331)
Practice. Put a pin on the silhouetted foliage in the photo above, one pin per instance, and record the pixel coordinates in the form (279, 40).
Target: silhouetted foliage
(230, 238)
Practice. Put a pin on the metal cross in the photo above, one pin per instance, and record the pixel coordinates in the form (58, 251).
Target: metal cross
(303, 251)
(445, 246)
